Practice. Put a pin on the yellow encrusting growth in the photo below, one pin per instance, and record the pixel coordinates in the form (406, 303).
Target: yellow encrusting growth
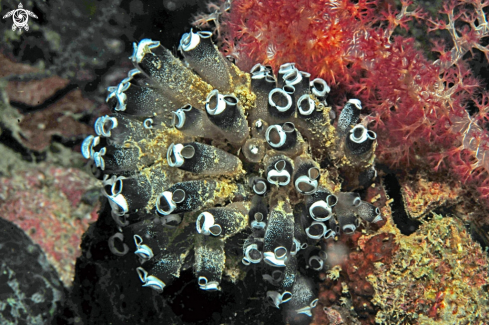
(437, 276)
(422, 196)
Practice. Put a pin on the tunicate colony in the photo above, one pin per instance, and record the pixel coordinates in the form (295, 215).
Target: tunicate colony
(197, 151)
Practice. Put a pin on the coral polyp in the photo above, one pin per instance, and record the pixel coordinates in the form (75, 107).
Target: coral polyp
(197, 152)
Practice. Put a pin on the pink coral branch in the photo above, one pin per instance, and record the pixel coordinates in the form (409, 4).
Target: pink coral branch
(466, 38)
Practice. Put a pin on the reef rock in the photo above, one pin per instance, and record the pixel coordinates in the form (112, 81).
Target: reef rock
(30, 289)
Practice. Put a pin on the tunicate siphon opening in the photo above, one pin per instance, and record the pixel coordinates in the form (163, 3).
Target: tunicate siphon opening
(254, 150)
(178, 196)
(117, 187)
(188, 152)
(321, 212)
(258, 216)
(358, 133)
(274, 137)
(305, 187)
(315, 263)
(316, 230)
(280, 252)
(260, 187)
(280, 99)
(255, 254)
(280, 165)
(164, 205)
(288, 127)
